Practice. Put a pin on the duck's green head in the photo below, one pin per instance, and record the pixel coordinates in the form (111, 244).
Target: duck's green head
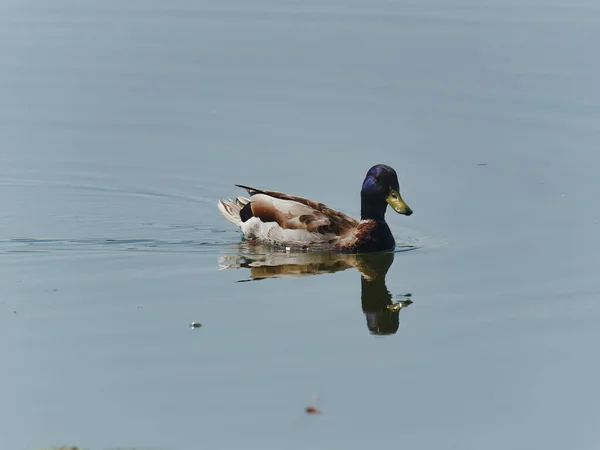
(379, 189)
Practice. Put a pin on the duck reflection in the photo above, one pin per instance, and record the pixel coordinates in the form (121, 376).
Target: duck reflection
(381, 312)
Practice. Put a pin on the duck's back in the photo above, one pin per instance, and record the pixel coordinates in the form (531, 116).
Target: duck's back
(282, 219)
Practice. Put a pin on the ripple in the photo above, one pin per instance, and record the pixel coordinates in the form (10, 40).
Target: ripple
(141, 192)
(34, 245)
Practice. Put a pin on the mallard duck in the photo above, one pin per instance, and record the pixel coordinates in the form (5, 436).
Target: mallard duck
(286, 220)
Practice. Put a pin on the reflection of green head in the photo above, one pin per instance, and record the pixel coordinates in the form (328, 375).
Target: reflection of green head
(381, 313)
(375, 297)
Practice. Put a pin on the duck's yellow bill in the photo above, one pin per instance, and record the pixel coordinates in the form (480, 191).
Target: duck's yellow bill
(395, 201)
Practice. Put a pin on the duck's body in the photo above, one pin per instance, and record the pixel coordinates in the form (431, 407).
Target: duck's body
(285, 220)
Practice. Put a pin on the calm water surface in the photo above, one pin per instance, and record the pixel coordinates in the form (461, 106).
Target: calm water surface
(123, 122)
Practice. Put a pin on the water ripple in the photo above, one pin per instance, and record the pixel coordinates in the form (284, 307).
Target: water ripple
(33, 245)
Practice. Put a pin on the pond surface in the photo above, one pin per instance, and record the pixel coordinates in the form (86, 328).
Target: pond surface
(123, 122)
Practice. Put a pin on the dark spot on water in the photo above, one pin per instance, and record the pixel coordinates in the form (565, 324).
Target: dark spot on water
(245, 280)
(67, 447)
(482, 164)
(195, 325)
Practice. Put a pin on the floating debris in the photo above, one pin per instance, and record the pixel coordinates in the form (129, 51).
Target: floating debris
(63, 447)
(312, 408)
(482, 164)
(195, 325)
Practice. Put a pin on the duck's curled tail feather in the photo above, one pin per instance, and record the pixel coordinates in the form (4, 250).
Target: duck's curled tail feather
(231, 209)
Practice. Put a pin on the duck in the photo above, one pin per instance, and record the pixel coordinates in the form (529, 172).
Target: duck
(284, 220)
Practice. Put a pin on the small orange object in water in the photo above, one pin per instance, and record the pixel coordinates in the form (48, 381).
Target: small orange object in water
(312, 410)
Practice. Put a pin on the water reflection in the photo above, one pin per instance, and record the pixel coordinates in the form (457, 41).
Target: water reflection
(381, 312)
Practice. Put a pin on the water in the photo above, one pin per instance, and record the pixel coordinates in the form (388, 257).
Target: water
(122, 124)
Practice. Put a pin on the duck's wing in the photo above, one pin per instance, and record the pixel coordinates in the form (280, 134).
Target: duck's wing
(297, 213)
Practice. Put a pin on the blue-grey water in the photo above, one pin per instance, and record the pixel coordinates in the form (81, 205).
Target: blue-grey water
(122, 122)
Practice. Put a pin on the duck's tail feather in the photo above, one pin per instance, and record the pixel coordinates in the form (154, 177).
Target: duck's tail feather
(231, 209)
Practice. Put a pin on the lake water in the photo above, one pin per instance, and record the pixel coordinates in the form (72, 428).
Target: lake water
(123, 122)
